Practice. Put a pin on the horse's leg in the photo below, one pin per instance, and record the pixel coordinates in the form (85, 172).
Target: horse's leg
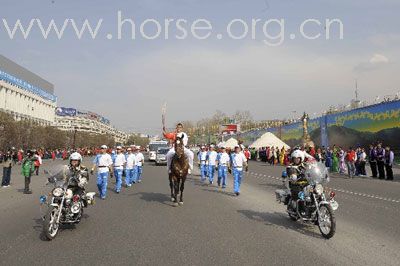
(182, 188)
(176, 189)
(171, 186)
(178, 182)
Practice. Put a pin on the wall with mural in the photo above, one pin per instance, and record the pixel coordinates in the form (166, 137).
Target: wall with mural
(362, 126)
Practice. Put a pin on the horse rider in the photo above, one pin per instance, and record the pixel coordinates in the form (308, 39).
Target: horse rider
(223, 163)
(130, 167)
(238, 162)
(103, 162)
(139, 161)
(172, 136)
(202, 156)
(212, 161)
(119, 164)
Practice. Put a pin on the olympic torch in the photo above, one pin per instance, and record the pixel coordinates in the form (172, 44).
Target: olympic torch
(163, 114)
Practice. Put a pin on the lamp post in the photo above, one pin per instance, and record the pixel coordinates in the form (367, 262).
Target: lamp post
(74, 138)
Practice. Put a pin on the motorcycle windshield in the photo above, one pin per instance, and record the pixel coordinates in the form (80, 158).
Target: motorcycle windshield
(317, 173)
(56, 177)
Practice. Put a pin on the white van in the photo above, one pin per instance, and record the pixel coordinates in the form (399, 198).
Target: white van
(154, 146)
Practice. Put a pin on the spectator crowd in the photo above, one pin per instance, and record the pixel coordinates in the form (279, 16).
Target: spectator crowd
(351, 161)
(13, 157)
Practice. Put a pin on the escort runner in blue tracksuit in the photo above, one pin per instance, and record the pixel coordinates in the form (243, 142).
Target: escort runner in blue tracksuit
(202, 156)
(119, 163)
(139, 160)
(103, 163)
(223, 160)
(238, 162)
(211, 159)
(130, 167)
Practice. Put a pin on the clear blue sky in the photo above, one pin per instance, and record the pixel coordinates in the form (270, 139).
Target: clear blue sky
(128, 80)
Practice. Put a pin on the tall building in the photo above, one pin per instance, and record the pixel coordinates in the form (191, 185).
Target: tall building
(70, 119)
(25, 95)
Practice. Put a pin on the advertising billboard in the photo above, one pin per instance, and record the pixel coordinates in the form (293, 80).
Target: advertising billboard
(229, 129)
(64, 111)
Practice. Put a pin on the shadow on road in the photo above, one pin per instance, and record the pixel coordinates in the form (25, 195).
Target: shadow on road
(199, 183)
(219, 191)
(281, 221)
(38, 227)
(154, 197)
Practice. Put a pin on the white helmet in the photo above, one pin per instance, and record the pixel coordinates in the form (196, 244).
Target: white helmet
(298, 154)
(75, 157)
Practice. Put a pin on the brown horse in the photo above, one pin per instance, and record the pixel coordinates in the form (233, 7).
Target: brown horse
(179, 172)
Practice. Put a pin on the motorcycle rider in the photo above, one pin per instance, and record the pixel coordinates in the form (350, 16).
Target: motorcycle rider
(295, 172)
(76, 169)
(297, 162)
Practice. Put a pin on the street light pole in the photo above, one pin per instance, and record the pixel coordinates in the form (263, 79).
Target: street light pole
(74, 139)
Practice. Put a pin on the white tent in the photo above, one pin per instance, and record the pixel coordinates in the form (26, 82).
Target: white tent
(231, 143)
(269, 140)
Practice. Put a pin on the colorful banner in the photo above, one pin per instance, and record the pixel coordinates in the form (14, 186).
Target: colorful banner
(63, 111)
(361, 126)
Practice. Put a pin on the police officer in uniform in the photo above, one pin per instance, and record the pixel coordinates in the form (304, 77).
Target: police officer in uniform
(380, 154)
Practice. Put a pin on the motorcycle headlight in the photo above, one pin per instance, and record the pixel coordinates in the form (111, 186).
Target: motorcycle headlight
(58, 192)
(319, 189)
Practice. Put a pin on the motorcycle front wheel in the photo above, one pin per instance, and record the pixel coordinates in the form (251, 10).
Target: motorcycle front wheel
(50, 225)
(326, 221)
(293, 217)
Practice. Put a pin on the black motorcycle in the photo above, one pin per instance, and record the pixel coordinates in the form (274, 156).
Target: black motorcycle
(66, 203)
(305, 198)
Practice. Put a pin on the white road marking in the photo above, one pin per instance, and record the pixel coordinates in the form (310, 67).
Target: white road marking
(258, 175)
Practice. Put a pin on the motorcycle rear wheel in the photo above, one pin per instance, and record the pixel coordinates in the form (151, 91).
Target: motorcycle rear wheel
(50, 225)
(327, 222)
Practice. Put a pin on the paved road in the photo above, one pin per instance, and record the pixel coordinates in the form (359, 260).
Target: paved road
(140, 226)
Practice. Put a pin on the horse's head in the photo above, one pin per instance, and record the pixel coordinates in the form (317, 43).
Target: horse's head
(179, 147)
